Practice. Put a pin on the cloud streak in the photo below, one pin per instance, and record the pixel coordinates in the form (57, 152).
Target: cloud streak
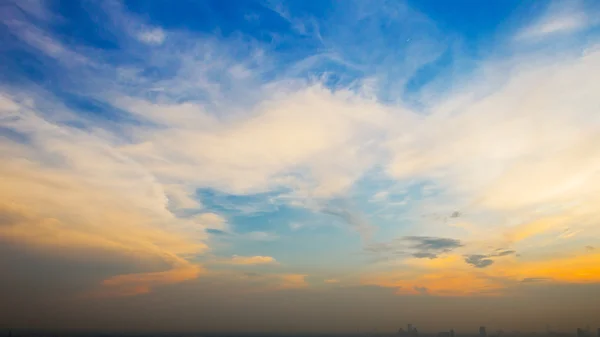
(252, 260)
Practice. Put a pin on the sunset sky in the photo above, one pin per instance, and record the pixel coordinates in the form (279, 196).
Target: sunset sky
(299, 166)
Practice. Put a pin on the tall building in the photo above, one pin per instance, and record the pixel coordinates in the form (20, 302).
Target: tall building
(598, 332)
(452, 333)
(482, 332)
(409, 328)
(581, 332)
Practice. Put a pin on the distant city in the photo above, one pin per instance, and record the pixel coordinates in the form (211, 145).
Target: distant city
(410, 331)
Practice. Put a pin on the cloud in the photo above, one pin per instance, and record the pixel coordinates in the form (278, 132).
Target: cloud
(380, 196)
(263, 282)
(494, 177)
(432, 244)
(261, 236)
(292, 281)
(154, 36)
(479, 261)
(565, 17)
(420, 247)
(252, 260)
(421, 290)
(332, 281)
(425, 255)
(296, 226)
(352, 218)
(181, 198)
(535, 279)
(483, 261)
(136, 284)
(46, 43)
(589, 248)
(37, 9)
(216, 117)
(505, 252)
(107, 203)
(444, 276)
(212, 221)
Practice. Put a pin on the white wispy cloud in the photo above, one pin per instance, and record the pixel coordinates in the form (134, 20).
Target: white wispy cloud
(152, 36)
(212, 221)
(559, 18)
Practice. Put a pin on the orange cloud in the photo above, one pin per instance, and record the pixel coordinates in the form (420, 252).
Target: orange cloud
(291, 281)
(584, 268)
(534, 228)
(251, 260)
(447, 276)
(140, 283)
(450, 276)
(100, 208)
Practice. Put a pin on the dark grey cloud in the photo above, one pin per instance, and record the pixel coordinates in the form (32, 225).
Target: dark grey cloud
(431, 247)
(422, 290)
(535, 279)
(422, 247)
(486, 260)
(505, 252)
(589, 248)
(425, 255)
(433, 243)
(479, 261)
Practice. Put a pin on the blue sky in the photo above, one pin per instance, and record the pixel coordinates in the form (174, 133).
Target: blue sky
(422, 148)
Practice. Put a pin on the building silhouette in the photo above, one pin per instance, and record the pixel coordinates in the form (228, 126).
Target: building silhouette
(482, 332)
(583, 332)
(598, 332)
(411, 331)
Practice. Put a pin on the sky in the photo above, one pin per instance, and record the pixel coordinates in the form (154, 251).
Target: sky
(319, 166)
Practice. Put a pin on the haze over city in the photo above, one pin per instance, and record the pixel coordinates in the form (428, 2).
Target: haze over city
(300, 167)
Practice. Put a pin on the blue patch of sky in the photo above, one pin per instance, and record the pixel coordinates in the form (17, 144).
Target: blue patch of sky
(317, 236)
(21, 64)
(392, 213)
(242, 205)
(473, 20)
(364, 47)
(85, 24)
(424, 76)
(95, 110)
(322, 239)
